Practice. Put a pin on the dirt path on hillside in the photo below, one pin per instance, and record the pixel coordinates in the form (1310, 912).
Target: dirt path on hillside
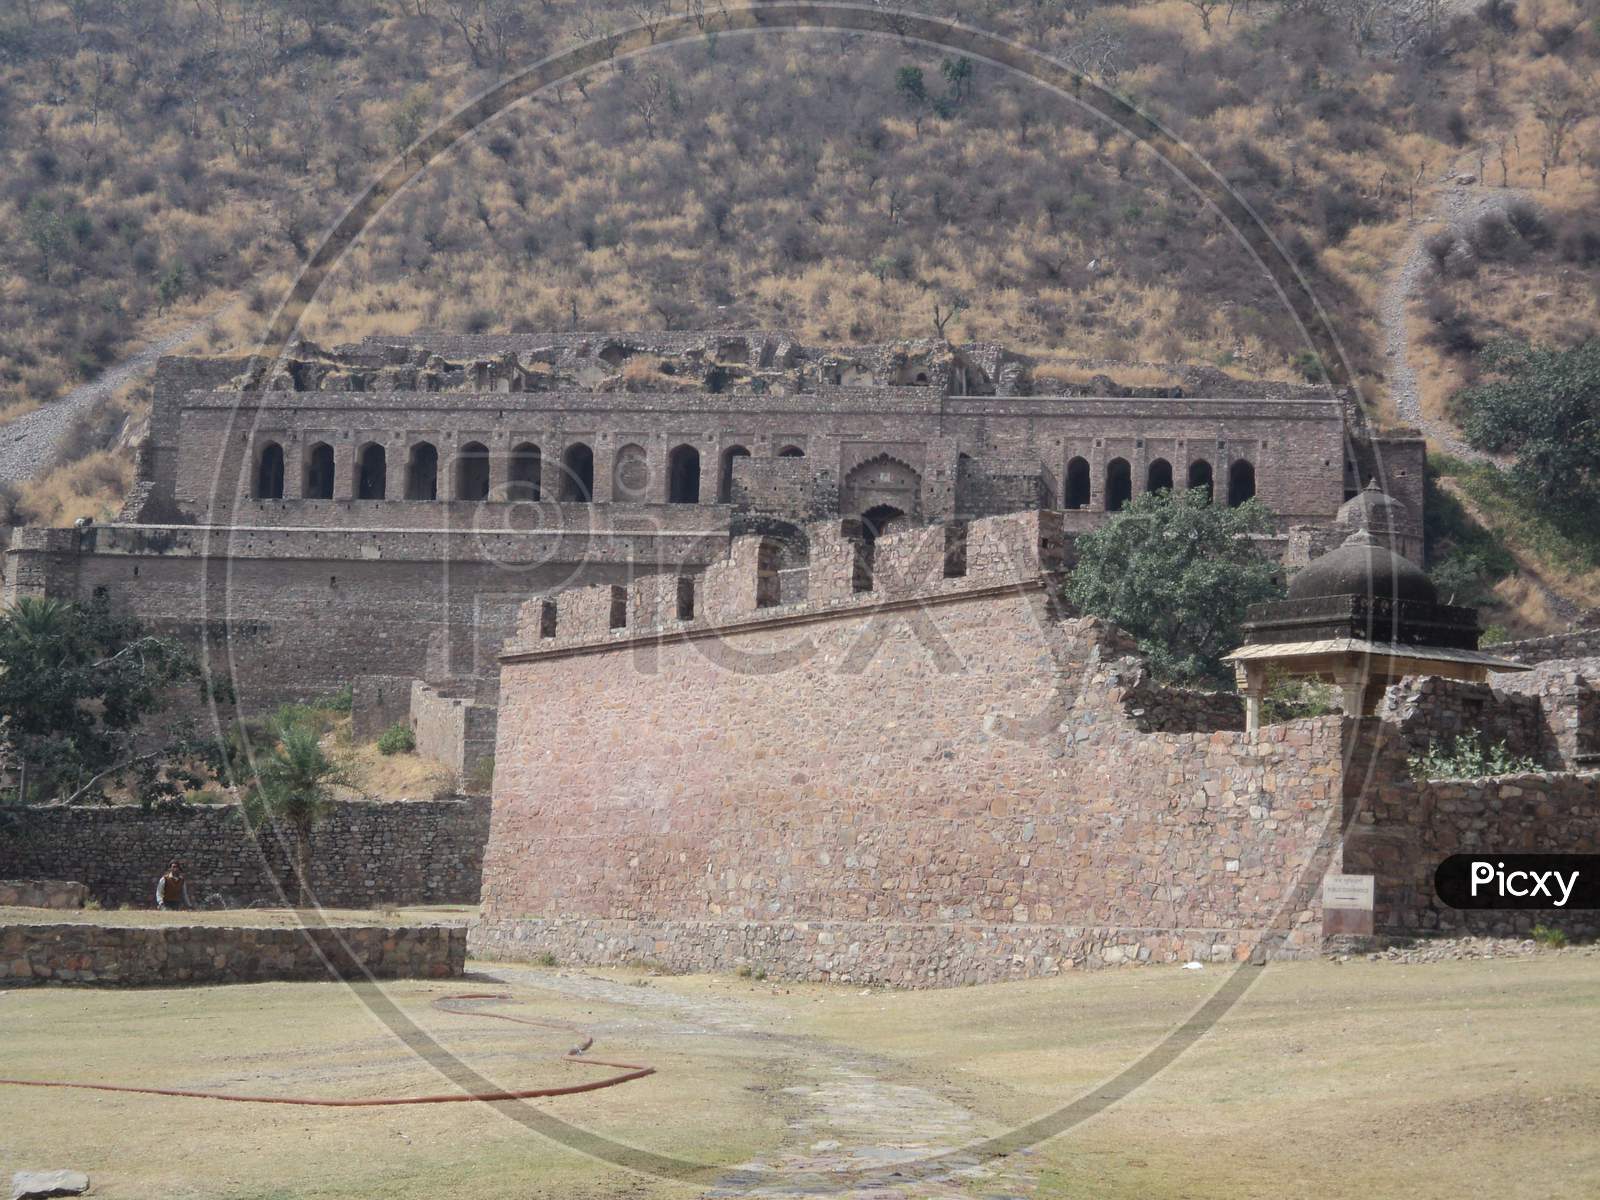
(31, 445)
(1453, 205)
(847, 1112)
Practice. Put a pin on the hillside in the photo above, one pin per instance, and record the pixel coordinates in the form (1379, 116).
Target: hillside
(163, 159)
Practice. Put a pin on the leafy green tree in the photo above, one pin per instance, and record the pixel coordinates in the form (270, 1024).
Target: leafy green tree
(1543, 405)
(293, 789)
(76, 682)
(1177, 572)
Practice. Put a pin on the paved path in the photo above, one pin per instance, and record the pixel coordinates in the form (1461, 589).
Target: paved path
(30, 445)
(845, 1111)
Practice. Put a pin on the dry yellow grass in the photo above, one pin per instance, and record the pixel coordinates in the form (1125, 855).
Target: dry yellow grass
(91, 487)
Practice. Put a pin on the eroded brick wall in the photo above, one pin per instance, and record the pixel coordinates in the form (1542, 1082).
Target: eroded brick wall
(408, 852)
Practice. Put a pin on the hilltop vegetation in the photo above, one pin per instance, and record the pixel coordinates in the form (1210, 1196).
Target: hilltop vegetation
(164, 158)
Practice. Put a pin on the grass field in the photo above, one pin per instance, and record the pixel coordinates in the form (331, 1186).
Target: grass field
(1358, 1079)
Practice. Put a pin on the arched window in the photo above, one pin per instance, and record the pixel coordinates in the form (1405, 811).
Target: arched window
(725, 480)
(1078, 483)
(422, 472)
(1241, 483)
(1200, 475)
(1119, 484)
(526, 464)
(269, 472)
(791, 452)
(683, 475)
(472, 472)
(372, 478)
(319, 473)
(630, 473)
(865, 533)
(577, 473)
(1159, 477)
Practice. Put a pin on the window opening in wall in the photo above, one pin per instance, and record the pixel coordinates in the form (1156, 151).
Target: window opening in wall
(683, 475)
(422, 472)
(1241, 482)
(1078, 483)
(577, 474)
(685, 597)
(547, 618)
(372, 479)
(526, 463)
(791, 452)
(472, 472)
(955, 550)
(1159, 477)
(319, 473)
(1119, 484)
(1200, 476)
(619, 607)
(269, 473)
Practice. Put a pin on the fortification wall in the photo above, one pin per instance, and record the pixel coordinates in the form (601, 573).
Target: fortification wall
(411, 852)
(1435, 712)
(930, 790)
(454, 730)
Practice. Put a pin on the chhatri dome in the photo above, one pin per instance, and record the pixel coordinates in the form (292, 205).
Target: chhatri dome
(1362, 617)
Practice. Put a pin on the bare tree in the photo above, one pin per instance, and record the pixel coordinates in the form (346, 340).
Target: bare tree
(943, 315)
(1560, 104)
(1205, 8)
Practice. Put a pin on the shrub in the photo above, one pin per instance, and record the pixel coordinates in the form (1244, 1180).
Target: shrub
(1554, 939)
(1465, 757)
(397, 739)
(341, 701)
(1529, 221)
(545, 959)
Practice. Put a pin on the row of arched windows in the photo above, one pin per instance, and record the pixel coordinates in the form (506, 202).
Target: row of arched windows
(1118, 489)
(470, 473)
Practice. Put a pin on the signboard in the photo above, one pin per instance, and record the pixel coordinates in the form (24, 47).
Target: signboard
(1347, 891)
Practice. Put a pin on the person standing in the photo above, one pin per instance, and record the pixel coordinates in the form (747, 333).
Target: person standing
(172, 889)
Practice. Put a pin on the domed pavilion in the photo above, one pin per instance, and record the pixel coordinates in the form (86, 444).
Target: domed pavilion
(1361, 617)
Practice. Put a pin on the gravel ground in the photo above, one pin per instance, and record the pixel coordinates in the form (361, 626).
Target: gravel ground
(30, 445)
(1433, 950)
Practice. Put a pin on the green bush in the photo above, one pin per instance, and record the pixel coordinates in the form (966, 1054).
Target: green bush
(1466, 757)
(1546, 936)
(397, 739)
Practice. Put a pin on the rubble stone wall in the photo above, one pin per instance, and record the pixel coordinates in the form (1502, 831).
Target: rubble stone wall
(365, 853)
(166, 955)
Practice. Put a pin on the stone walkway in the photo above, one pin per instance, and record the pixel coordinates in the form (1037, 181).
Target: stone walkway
(845, 1113)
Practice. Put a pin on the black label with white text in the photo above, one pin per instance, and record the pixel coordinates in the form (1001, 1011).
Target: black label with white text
(1519, 881)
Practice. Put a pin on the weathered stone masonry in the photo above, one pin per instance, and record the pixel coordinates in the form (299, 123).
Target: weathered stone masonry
(409, 852)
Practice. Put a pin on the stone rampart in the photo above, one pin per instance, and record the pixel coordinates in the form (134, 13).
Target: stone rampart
(365, 853)
(167, 955)
(454, 730)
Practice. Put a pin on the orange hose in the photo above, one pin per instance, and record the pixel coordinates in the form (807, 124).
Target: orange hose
(630, 1071)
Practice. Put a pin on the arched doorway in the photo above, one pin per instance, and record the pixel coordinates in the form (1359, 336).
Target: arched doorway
(422, 472)
(1159, 477)
(577, 473)
(1119, 484)
(683, 475)
(372, 479)
(882, 482)
(1241, 483)
(318, 484)
(526, 464)
(472, 472)
(1200, 476)
(865, 532)
(1077, 494)
(269, 472)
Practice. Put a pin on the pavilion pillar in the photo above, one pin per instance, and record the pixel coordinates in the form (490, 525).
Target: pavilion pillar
(1252, 681)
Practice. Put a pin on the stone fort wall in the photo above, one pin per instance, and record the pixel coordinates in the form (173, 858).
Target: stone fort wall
(944, 780)
(365, 853)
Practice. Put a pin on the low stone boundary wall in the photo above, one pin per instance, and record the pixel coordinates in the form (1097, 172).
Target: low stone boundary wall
(42, 893)
(164, 955)
(903, 955)
(364, 853)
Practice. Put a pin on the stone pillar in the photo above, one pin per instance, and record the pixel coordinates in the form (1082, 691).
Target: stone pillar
(346, 469)
(1252, 682)
(499, 468)
(294, 469)
(605, 465)
(1352, 683)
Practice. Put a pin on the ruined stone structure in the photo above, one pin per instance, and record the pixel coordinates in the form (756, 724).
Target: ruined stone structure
(383, 509)
(925, 771)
